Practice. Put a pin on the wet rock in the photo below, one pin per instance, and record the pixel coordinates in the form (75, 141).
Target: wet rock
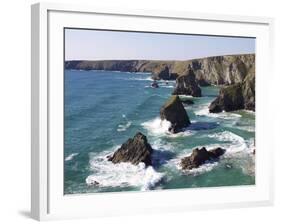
(135, 150)
(230, 98)
(174, 112)
(199, 157)
(237, 96)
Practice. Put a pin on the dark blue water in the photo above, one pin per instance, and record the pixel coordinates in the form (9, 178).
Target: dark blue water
(104, 109)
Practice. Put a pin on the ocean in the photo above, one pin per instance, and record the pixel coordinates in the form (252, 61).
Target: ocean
(103, 109)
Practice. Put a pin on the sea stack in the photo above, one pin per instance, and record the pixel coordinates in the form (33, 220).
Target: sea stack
(236, 97)
(230, 98)
(186, 84)
(135, 150)
(199, 157)
(174, 112)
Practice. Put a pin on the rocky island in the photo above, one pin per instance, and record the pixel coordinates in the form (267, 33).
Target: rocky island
(174, 112)
(135, 150)
(199, 157)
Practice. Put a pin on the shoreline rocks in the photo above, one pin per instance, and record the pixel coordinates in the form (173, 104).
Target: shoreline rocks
(135, 150)
(187, 85)
(230, 98)
(174, 112)
(199, 156)
(162, 72)
(236, 97)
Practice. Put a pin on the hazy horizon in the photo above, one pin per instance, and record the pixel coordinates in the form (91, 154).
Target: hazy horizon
(82, 44)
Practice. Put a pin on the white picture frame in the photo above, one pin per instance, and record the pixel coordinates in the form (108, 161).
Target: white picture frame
(48, 201)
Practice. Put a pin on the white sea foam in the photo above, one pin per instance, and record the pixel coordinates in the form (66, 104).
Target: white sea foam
(185, 96)
(236, 148)
(184, 133)
(233, 143)
(246, 128)
(207, 167)
(141, 79)
(160, 127)
(204, 111)
(124, 127)
(161, 86)
(157, 126)
(107, 174)
(70, 157)
(250, 112)
(167, 86)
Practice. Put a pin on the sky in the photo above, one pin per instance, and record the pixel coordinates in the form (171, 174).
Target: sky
(81, 44)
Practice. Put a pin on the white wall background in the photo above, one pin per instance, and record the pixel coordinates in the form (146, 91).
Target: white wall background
(15, 110)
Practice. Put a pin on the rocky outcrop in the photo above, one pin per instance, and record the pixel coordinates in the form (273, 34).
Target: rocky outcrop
(187, 85)
(230, 98)
(218, 70)
(248, 90)
(174, 112)
(223, 70)
(135, 150)
(236, 72)
(237, 96)
(199, 157)
(163, 72)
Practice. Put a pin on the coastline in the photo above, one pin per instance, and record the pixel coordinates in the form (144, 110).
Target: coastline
(164, 143)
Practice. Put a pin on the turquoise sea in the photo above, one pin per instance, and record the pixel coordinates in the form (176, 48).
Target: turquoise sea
(103, 109)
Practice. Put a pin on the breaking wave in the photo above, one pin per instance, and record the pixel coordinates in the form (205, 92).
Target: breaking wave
(204, 111)
(107, 174)
(141, 79)
(158, 127)
(124, 127)
(70, 157)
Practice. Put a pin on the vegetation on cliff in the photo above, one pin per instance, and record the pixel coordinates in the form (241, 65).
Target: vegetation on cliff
(235, 72)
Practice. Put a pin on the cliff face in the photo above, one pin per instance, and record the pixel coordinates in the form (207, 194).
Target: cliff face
(217, 70)
(186, 85)
(236, 72)
(224, 69)
(237, 96)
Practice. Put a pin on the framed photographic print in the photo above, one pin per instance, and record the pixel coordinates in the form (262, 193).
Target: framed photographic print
(148, 111)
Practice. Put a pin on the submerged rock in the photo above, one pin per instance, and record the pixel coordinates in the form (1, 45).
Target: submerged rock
(199, 157)
(187, 85)
(134, 150)
(174, 112)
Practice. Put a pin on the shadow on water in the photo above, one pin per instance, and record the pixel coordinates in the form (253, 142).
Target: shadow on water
(161, 157)
(202, 126)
